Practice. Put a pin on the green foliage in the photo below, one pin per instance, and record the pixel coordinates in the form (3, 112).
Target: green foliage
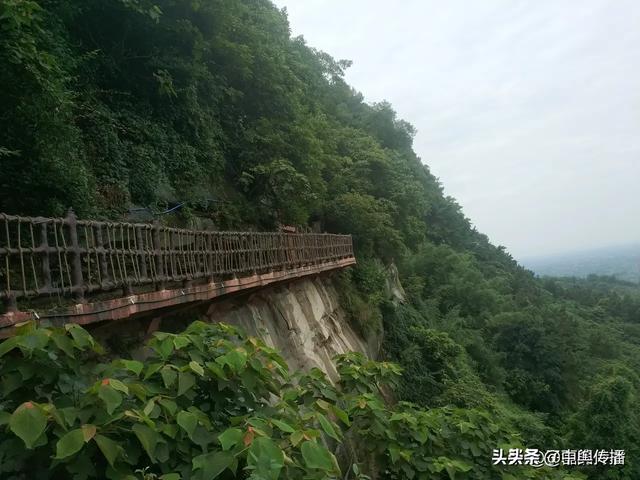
(435, 373)
(362, 290)
(408, 442)
(368, 219)
(201, 405)
(543, 360)
(153, 102)
(282, 190)
(211, 403)
(537, 344)
(597, 421)
(35, 122)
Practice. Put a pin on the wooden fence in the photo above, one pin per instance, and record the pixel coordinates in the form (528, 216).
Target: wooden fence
(70, 257)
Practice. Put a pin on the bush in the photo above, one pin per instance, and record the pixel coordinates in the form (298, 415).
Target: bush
(362, 292)
(211, 403)
(207, 402)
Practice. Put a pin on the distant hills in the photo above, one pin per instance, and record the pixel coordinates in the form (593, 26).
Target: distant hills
(621, 262)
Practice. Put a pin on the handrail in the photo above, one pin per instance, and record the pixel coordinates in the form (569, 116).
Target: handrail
(42, 256)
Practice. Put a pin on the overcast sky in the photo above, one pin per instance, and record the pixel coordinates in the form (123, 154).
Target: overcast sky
(527, 111)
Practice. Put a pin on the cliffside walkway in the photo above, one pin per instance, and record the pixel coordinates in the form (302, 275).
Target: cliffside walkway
(69, 270)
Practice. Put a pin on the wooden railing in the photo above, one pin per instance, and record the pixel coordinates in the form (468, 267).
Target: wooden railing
(70, 257)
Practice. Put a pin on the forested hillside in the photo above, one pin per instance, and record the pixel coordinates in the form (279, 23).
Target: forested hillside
(107, 104)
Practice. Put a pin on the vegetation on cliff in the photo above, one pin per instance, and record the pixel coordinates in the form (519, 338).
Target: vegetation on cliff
(212, 104)
(211, 403)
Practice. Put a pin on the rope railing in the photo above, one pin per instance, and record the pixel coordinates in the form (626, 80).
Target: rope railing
(69, 257)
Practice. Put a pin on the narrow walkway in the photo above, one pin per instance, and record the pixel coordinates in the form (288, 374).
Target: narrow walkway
(68, 270)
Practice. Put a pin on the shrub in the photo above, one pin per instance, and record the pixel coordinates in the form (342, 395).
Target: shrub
(211, 403)
(207, 402)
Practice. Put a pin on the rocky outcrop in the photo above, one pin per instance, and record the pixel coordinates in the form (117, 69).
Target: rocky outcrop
(302, 319)
(393, 286)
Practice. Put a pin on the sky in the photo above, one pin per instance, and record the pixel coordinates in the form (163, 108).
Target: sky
(527, 111)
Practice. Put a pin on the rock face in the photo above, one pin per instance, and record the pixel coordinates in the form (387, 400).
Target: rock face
(302, 319)
(393, 286)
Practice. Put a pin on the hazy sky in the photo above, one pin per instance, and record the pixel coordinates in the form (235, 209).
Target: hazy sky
(527, 111)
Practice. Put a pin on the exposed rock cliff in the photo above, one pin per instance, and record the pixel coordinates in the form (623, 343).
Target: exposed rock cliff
(394, 288)
(302, 319)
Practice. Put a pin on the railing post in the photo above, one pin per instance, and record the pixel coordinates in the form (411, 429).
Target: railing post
(141, 254)
(10, 303)
(76, 258)
(157, 253)
(45, 260)
(105, 278)
(208, 264)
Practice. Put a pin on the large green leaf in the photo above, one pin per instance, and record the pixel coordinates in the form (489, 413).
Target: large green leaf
(109, 448)
(181, 341)
(148, 438)
(285, 427)
(317, 456)
(133, 366)
(36, 340)
(118, 385)
(236, 359)
(70, 444)
(213, 464)
(327, 426)
(64, 343)
(111, 397)
(152, 369)
(169, 405)
(80, 336)
(28, 422)
(185, 382)
(8, 345)
(230, 437)
(69, 415)
(164, 347)
(169, 375)
(188, 422)
(216, 370)
(296, 437)
(88, 431)
(265, 458)
(4, 417)
(196, 367)
(341, 414)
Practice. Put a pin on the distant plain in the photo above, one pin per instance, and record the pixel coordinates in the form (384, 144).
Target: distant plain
(622, 262)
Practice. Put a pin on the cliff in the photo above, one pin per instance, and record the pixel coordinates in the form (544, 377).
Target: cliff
(303, 320)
